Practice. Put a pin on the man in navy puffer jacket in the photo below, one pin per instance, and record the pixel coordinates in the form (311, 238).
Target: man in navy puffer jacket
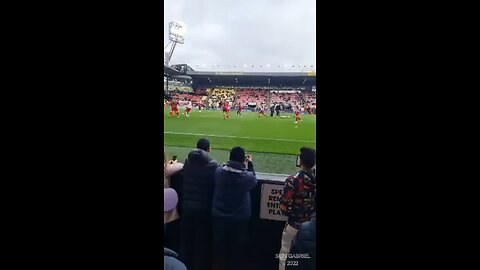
(304, 245)
(196, 222)
(232, 209)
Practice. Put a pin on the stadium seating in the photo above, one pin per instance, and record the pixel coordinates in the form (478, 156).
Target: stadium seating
(287, 98)
(220, 94)
(183, 96)
(201, 91)
(177, 87)
(246, 96)
(310, 98)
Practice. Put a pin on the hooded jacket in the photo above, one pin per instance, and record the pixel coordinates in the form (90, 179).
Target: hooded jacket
(170, 260)
(298, 198)
(233, 183)
(198, 184)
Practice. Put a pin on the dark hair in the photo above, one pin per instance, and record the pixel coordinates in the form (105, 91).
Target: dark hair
(203, 144)
(308, 157)
(237, 154)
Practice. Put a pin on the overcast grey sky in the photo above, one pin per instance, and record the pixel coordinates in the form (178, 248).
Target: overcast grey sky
(244, 32)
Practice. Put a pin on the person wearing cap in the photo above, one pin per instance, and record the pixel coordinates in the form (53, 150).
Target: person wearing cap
(196, 223)
(170, 258)
(297, 201)
(231, 210)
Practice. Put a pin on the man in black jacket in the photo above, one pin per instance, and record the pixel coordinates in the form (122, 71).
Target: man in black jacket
(277, 109)
(232, 210)
(196, 220)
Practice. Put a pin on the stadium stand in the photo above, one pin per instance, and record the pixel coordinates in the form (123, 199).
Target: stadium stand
(289, 98)
(200, 91)
(184, 96)
(219, 94)
(248, 96)
(177, 88)
(310, 98)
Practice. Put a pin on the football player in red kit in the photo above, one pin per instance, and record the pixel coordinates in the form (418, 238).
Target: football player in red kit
(297, 116)
(239, 109)
(174, 108)
(226, 110)
(200, 105)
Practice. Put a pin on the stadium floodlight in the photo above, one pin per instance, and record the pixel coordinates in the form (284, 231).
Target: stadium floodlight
(176, 35)
(177, 32)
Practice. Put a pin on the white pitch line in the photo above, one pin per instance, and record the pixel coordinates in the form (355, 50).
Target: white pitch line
(228, 136)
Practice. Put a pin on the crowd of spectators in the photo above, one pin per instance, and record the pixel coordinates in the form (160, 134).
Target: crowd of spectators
(290, 99)
(221, 94)
(195, 99)
(178, 88)
(201, 91)
(310, 98)
(248, 96)
(214, 210)
(211, 98)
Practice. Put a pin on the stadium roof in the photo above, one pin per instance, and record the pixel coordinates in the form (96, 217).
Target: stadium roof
(169, 71)
(205, 79)
(245, 79)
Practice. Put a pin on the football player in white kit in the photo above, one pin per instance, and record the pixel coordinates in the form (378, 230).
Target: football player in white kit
(189, 108)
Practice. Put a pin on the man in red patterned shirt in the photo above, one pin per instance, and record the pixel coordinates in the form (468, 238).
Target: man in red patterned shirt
(298, 200)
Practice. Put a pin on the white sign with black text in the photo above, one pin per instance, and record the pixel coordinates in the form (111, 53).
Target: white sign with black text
(270, 202)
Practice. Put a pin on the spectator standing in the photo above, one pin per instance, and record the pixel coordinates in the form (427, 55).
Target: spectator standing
(170, 258)
(305, 243)
(196, 223)
(277, 109)
(170, 219)
(231, 210)
(297, 200)
(170, 168)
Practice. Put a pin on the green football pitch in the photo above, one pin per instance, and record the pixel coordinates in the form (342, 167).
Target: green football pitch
(273, 142)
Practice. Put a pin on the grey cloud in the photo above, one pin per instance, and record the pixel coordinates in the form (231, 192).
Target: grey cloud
(253, 32)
